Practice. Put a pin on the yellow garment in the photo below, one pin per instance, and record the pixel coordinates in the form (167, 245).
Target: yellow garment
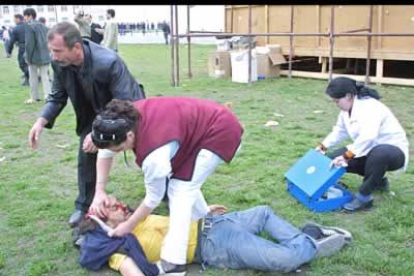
(150, 233)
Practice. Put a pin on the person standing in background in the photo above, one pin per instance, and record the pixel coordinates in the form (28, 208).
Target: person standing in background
(83, 25)
(37, 54)
(18, 35)
(43, 21)
(95, 36)
(5, 34)
(110, 33)
(166, 30)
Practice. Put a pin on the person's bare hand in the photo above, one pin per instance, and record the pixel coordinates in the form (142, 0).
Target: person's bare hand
(100, 204)
(34, 134)
(339, 161)
(88, 145)
(217, 209)
(318, 149)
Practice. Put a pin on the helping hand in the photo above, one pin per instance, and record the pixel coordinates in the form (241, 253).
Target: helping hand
(34, 135)
(88, 145)
(100, 204)
(121, 230)
(318, 149)
(217, 209)
(339, 161)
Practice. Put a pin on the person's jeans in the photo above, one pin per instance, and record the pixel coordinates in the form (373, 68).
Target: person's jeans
(34, 82)
(373, 167)
(86, 175)
(233, 242)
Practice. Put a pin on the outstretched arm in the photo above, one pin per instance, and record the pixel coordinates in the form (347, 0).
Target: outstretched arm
(103, 166)
(156, 167)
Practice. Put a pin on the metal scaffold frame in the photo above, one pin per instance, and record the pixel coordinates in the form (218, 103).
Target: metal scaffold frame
(175, 77)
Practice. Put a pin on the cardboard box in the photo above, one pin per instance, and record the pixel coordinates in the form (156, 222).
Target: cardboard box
(269, 59)
(240, 66)
(219, 64)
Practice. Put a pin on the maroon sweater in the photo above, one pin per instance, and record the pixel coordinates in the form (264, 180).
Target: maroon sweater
(195, 124)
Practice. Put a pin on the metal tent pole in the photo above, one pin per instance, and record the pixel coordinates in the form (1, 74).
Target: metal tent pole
(369, 40)
(177, 44)
(331, 42)
(172, 47)
(190, 74)
(250, 45)
(291, 41)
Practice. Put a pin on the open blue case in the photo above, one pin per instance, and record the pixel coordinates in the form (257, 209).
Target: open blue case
(310, 178)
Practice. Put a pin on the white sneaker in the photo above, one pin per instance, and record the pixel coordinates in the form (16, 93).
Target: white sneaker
(317, 231)
(330, 245)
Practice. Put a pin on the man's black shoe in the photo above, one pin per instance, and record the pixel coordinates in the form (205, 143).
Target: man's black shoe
(167, 268)
(25, 82)
(358, 205)
(76, 217)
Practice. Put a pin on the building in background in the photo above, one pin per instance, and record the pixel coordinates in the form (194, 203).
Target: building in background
(202, 18)
(52, 13)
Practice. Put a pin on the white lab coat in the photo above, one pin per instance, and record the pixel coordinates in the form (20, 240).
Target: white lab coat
(371, 123)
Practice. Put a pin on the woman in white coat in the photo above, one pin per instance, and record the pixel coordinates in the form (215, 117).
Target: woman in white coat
(379, 142)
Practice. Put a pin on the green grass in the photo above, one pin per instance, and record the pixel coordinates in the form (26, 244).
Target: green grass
(37, 188)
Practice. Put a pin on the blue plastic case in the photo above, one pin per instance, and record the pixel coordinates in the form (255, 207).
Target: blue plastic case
(310, 178)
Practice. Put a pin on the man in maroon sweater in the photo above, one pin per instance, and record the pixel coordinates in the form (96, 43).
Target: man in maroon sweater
(182, 139)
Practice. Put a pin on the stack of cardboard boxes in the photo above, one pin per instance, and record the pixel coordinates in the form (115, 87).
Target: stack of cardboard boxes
(228, 62)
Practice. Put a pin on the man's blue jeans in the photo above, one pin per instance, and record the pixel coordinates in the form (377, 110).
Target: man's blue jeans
(233, 242)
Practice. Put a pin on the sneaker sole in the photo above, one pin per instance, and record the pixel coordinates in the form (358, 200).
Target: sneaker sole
(347, 235)
(174, 274)
(365, 208)
(330, 247)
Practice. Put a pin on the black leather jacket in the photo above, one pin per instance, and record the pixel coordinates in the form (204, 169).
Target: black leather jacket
(104, 77)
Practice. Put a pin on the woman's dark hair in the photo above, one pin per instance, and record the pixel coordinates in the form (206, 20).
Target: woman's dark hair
(111, 126)
(340, 86)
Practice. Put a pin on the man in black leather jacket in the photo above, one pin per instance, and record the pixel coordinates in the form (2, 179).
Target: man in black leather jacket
(18, 35)
(90, 76)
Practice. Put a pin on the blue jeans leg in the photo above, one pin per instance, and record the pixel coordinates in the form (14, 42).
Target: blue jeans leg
(263, 219)
(233, 242)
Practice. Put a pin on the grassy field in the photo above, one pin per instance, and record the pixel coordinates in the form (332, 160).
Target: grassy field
(37, 188)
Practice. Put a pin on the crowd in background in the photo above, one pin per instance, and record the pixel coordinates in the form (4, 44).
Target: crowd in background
(125, 27)
(29, 34)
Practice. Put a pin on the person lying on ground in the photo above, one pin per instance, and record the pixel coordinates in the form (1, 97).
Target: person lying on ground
(220, 240)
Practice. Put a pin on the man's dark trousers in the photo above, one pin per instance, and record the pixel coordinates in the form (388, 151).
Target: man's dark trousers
(86, 174)
(22, 63)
